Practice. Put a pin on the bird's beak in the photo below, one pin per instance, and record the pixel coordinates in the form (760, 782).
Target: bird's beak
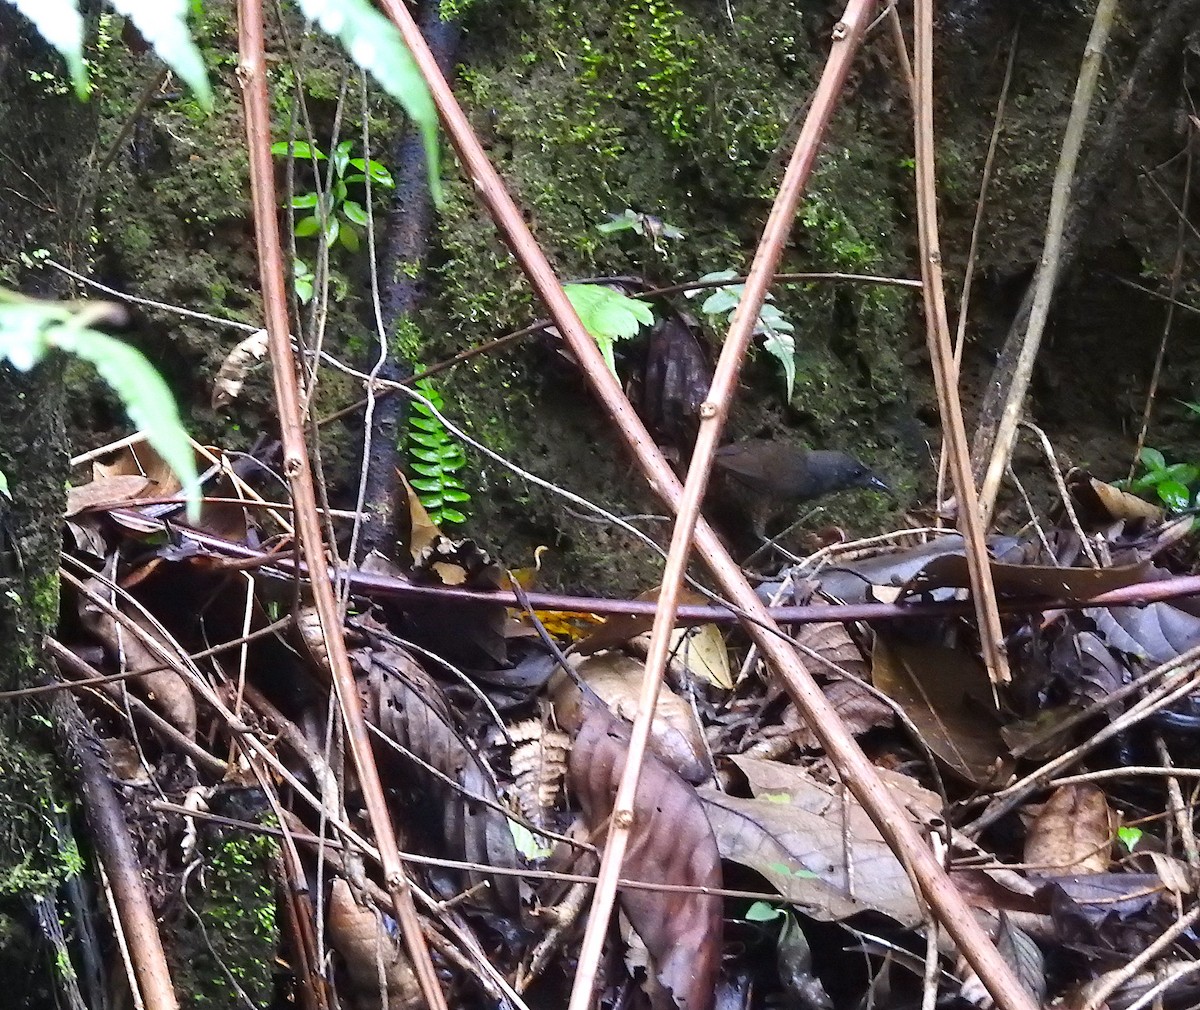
(878, 485)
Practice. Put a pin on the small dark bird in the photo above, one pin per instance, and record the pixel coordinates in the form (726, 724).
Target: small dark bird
(759, 478)
(788, 473)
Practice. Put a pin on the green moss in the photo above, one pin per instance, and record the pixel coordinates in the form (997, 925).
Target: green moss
(240, 935)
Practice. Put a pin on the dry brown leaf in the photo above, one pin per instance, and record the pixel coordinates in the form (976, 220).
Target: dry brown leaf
(374, 959)
(422, 532)
(108, 491)
(832, 642)
(140, 460)
(945, 692)
(859, 710)
(227, 386)
(164, 689)
(670, 842)
(1073, 832)
(675, 734)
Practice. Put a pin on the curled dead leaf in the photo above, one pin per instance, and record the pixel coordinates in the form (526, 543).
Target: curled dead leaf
(1073, 832)
(231, 376)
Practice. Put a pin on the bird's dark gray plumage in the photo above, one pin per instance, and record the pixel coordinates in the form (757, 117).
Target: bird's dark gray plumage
(784, 472)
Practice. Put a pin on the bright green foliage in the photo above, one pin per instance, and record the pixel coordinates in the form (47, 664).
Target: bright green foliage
(333, 212)
(1169, 484)
(162, 23)
(775, 330)
(764, 911)
(29, 330)
(608, 316)
(1129, 836)
(374, 43)
(435, 456)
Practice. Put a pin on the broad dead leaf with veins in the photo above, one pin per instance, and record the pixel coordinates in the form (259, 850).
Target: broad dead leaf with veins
(1073, 832)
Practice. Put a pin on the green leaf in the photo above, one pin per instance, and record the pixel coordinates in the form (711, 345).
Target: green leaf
(308, 226)
(782, 347)
(1184, 473)
(374, 43)
(29, 329)
(349, 238)
(627, 220)
(1174, 495)
(722, 300)
(608, 316)
(1152, 459)
(354, 211)
(300, 149)
(425, 423)
(305, 201)
(453, 494)
(4, 486)
(426, 483)
(304, 289)
(339, 192)
(379, 174)
(532, 847)
(450, 515)
(163, 23)
(1191, 405)
(1129, 836)
(429, 456)
(763, 911)
(60, 24)
(426, 469)
(434, 440)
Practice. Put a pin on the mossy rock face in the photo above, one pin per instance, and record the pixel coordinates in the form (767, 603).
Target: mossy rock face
(226, 945)
(673, 110)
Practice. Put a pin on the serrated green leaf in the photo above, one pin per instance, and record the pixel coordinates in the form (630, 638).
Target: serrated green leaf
(721, 301)
(60, 24)
(374, 43)
(163, 23)
(782, 347)
(608, 316)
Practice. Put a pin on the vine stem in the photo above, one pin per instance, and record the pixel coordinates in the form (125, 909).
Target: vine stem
(894, 823)
(297, 467)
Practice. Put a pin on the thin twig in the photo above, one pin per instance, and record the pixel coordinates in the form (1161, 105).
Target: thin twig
(945, 373)
(251, 74)
(1048, 267)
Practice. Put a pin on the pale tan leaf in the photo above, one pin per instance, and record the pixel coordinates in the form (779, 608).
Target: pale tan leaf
(374, 960)
(1073, 832)
(676, 736)
(702, 652)
(107, 491)
(165, 690)
(832, 642)
(227, 386)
